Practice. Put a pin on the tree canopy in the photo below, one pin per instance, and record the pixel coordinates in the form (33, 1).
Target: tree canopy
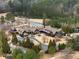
(36, 8)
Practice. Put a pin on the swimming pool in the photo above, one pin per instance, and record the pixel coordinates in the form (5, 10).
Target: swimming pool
(36, 24)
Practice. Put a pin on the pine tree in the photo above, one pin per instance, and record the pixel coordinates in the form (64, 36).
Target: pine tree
(52, 47)
(52, 44)
(61, 46)
(28, 44)
(14, 39)
(36, 49)
(5, 47)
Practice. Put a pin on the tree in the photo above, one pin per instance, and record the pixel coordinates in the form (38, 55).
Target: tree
(14, 38)
(36, 49)
(67, 29)
(28, 44)
(52, 50)
(57, 25)
(54, 23)
(52, 47)
(2, 19)
(17, 54)
(61, 46)
(10, 16)
(31, 54)
(52, 43)
(4, 45)
(75, 43)
(11, 6)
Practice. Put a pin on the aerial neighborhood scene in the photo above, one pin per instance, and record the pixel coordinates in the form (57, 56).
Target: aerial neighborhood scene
(39, 29)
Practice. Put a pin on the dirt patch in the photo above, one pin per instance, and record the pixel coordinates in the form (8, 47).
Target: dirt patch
(46, 56)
